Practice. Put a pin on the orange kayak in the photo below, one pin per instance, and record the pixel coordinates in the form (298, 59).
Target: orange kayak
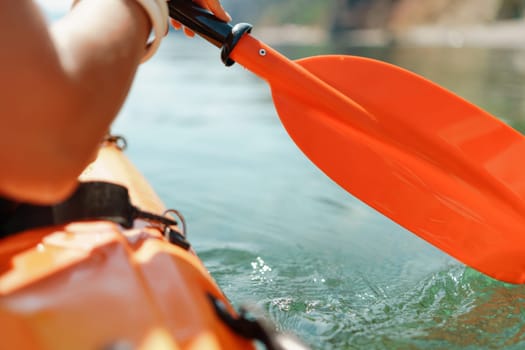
(94, 285)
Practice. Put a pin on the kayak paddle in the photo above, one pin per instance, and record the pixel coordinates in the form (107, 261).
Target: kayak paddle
(427, 159)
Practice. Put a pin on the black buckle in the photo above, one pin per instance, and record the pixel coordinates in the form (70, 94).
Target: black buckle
(256, 329)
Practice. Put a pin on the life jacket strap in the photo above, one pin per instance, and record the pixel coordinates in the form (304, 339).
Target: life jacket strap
(94, 200)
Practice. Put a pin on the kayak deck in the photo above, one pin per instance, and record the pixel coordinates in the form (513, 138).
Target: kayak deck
(93, 285)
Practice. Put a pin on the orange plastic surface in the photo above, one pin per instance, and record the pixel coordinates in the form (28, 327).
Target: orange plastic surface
(92, 285)
(429, 160)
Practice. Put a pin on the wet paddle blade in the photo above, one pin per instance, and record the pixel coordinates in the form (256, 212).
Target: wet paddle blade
(429, 160)
(432, 162)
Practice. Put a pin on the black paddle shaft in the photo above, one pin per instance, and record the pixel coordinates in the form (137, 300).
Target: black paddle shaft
(205, 24)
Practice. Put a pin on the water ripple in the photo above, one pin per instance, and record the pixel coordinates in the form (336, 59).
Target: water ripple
(447, 309)
(275, 232)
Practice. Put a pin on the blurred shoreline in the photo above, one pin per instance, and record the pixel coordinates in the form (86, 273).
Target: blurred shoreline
(502, 34)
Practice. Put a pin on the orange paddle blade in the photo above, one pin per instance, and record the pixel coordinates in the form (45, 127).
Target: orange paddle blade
(427, 159)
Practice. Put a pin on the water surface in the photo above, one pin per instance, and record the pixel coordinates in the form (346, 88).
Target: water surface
(277, 233)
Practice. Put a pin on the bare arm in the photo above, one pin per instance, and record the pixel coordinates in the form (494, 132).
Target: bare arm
(60, 88)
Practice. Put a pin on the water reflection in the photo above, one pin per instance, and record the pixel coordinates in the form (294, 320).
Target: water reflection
(493, 316)
(274, 231)
(335, 272)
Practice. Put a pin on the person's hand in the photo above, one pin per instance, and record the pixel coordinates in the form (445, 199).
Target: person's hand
(213, 5)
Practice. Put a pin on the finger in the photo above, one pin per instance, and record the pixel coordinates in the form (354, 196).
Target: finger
(176, 24)
(189, 32)
(217, 9)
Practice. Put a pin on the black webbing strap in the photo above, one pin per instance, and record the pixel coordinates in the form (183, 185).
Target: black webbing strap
(95, 200)
(256, 329)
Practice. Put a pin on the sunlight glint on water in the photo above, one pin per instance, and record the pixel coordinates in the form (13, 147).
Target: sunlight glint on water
(275, 232)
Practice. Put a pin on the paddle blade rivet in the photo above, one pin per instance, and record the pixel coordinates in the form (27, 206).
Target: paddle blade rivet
(262, 52)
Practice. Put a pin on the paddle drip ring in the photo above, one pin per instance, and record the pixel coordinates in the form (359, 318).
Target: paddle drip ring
(233, 38)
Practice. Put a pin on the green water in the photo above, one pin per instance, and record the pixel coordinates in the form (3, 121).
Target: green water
(276, 233)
